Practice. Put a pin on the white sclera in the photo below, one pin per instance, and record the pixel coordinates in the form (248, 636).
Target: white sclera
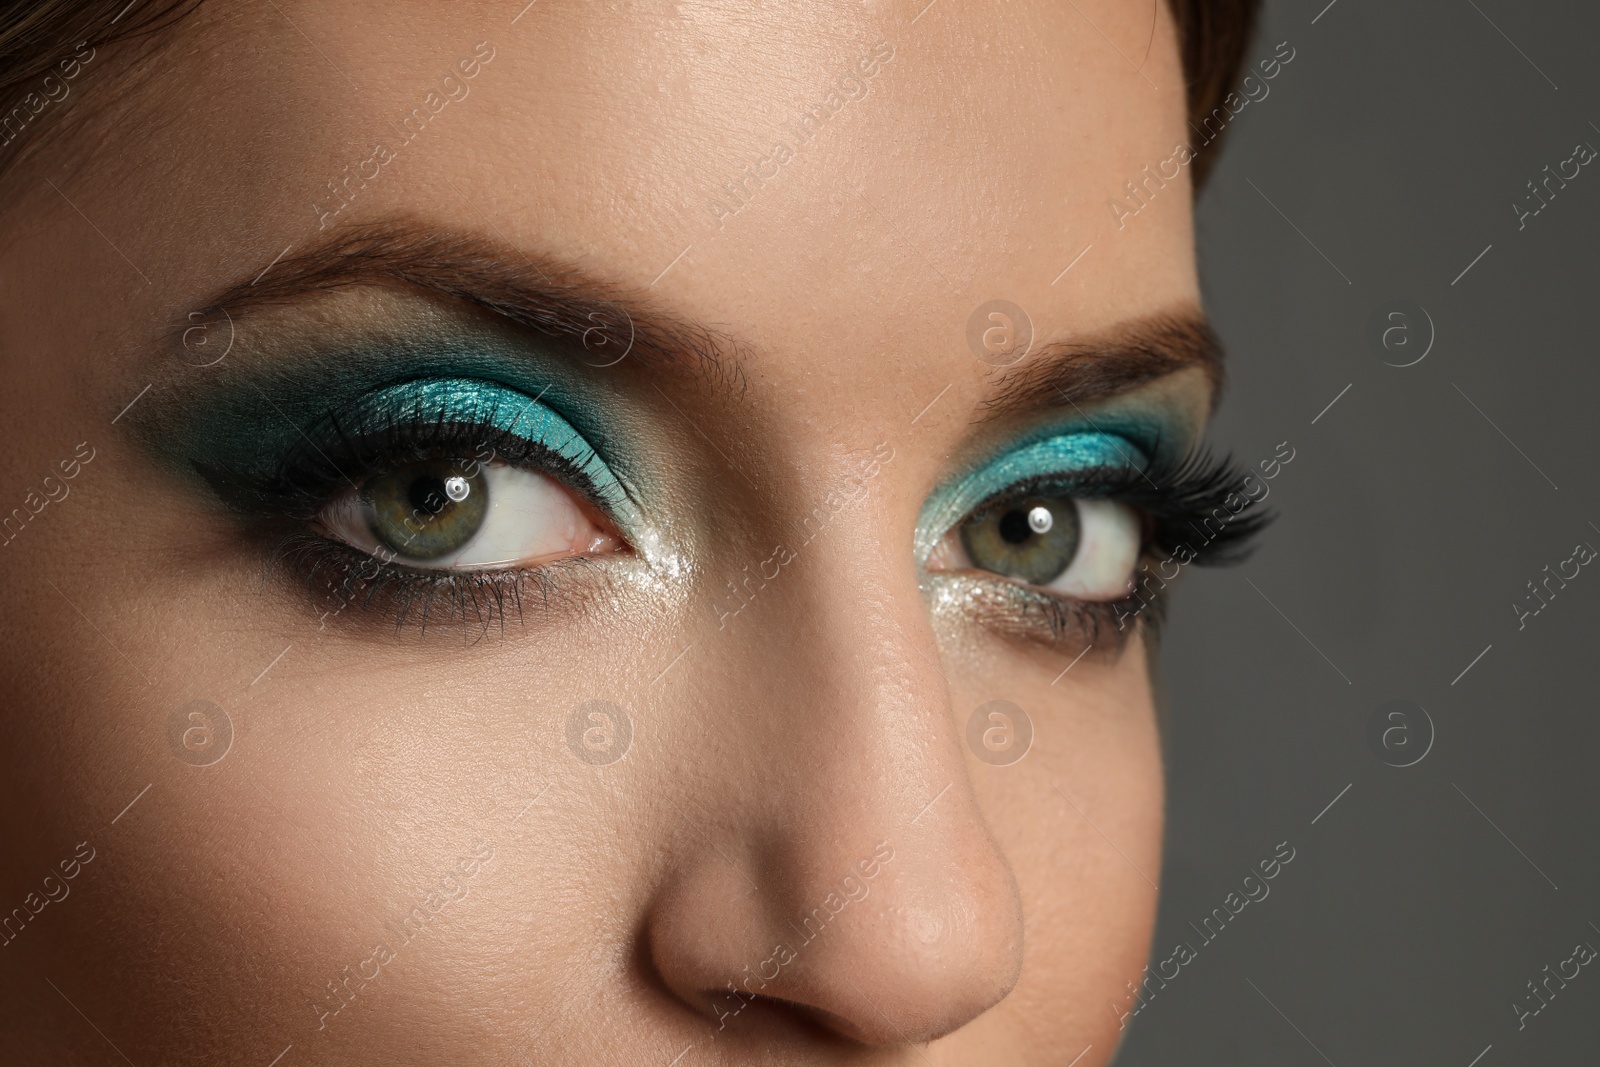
(1109, 540)
(531, 518)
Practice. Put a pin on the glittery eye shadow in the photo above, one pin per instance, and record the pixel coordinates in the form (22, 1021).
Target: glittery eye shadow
(1061, 455)
(262, 412)
(471, 402)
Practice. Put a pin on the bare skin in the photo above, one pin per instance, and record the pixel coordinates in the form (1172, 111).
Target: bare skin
(774, 748)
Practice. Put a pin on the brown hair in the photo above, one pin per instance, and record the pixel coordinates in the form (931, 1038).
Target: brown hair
(38, 38)
(1213, 35)
(45, 45)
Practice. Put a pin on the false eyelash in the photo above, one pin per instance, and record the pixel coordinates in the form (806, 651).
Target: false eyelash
(1195, 489)
(310, 473)
(1174, 494)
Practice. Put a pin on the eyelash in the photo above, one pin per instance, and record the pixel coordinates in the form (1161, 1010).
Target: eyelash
(299, 487)
(346, 577)
(1172, 495)
(477, 600)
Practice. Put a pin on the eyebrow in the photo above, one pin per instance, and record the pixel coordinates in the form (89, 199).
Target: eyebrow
(561, 300)
(1115, 361)
(528, 289)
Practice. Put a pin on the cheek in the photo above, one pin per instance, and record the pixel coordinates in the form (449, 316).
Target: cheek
(1085, 860)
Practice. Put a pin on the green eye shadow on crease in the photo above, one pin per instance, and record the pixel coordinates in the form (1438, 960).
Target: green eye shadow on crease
(1062, 455)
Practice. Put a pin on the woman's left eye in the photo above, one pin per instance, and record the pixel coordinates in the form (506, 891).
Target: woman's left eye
(454, 514)
(1085, 549)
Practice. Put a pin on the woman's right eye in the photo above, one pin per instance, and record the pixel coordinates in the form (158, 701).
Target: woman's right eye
(454, 514)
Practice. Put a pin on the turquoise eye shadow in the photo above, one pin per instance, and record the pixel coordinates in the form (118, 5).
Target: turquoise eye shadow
(259, 413)
(1062, 455)
(473, 402)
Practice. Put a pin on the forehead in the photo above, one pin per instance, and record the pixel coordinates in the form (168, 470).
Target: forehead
(823, 180)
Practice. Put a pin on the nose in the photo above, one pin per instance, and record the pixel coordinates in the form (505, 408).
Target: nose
(835, 867)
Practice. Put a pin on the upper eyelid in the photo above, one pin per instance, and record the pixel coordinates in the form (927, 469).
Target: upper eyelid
(1086, 483)
(1060, 454)
(297, 379)
(399, 421)
(496, 407)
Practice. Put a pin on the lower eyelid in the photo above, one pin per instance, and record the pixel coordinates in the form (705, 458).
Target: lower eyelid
(348, 589)
(1036, 616)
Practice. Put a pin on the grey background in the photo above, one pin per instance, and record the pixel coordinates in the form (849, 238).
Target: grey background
(1409, 921)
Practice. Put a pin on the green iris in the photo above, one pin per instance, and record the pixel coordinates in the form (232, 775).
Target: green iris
(426, 510)
(1033, 538)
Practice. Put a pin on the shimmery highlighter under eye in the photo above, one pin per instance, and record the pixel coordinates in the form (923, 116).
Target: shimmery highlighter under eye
(1061, 455)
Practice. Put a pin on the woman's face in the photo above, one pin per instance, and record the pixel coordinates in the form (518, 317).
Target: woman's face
(550, 504)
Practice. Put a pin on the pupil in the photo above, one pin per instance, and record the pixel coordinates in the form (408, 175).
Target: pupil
(1014, 528)
(1034, 538)
(428, 495)
(426, 510)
